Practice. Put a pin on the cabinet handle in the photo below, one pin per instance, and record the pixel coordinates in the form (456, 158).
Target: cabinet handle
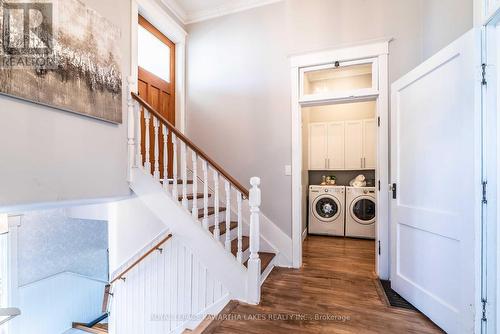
(364, 162)
(326, 163)
(361, 162)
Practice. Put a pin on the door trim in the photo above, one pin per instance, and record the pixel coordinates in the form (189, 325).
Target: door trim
(374, 49)
(157, 16)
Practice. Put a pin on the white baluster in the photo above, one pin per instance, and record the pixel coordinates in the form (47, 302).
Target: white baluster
(205, 194)
(184, 174)
(216, 206)
(131, 128)
(156, 149)
(174, 167)
(138, 114)
(239, 255)
(165, 157)
(194, 158)
(147, 164)
(228, 216)
(254, 261)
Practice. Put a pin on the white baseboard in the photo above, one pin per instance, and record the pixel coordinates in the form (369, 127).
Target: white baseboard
(213, 309)
(304, 235)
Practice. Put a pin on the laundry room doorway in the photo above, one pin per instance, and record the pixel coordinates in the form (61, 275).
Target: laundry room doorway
(340, 149)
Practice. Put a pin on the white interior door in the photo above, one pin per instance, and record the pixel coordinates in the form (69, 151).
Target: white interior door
(336, 145)
(354, 144)
(436, 167)
(318, 133)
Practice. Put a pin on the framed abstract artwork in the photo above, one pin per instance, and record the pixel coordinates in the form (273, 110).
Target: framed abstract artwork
(61, 54)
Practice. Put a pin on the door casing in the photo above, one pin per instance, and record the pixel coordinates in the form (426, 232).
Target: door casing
(380, 51)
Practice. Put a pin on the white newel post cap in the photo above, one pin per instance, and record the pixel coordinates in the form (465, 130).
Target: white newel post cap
(255, 192)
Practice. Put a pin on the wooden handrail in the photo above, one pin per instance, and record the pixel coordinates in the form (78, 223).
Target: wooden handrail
(191, 145)
(141, 258)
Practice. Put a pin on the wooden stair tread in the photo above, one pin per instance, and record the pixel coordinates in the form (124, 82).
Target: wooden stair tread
(190, 197)
(265, 260)
(245, 243)
(211, 211)
(179, 181)
(222, 227)
(97, 329)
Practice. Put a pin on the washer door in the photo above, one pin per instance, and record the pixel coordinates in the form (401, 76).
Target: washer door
(326, 208)
(363, 210)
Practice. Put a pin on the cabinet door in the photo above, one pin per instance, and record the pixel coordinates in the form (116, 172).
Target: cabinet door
(370, 144)
(336, 145)
(318, 133)
(354, 145)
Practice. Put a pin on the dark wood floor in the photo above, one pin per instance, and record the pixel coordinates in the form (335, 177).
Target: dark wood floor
(337, 283)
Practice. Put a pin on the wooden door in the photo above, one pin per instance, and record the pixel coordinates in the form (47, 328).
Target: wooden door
(354, 145)
(336, 145)
(318, 133)
(435, 158)
(369, 144)
(158, 89)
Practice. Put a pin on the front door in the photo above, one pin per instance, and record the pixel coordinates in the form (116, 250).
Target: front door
(435, 138)
(156, 84)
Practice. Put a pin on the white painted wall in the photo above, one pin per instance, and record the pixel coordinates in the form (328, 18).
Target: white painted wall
(238, 78)
(131, 226)
(51, 305)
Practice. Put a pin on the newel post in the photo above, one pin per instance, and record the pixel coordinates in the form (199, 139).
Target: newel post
(131, 128)
(254, 261)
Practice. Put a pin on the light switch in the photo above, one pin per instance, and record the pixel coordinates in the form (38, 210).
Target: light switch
(288, 170)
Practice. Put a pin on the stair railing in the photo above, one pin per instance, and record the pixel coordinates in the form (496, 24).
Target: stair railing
(159, 149)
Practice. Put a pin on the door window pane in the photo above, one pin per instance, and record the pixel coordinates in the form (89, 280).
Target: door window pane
(336, 79)
(154, 55)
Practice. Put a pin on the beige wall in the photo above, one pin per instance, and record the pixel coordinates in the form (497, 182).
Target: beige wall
(444, 21)
(238, 76)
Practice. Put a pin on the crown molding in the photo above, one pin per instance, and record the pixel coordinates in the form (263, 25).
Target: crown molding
(231, 8)
(176, 9)
(188, 17)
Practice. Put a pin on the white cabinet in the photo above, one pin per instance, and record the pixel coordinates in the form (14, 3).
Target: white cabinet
(326, 146)
(335, 143)
(369, 144)
(349, 145)
(318, 138)
(354, 145)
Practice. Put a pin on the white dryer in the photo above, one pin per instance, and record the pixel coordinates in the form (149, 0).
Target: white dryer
(361, 204)
(326, 210)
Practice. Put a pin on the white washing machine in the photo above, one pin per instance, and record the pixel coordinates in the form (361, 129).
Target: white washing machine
(361, 204)
(326, 210)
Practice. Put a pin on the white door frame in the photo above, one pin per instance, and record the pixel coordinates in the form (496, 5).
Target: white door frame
(491, 174)
(158, 17)
(375, 49)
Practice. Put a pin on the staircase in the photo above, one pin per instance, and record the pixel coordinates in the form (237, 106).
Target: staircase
(202, 206)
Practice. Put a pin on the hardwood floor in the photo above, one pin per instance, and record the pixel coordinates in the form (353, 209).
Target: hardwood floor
(336, 283)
